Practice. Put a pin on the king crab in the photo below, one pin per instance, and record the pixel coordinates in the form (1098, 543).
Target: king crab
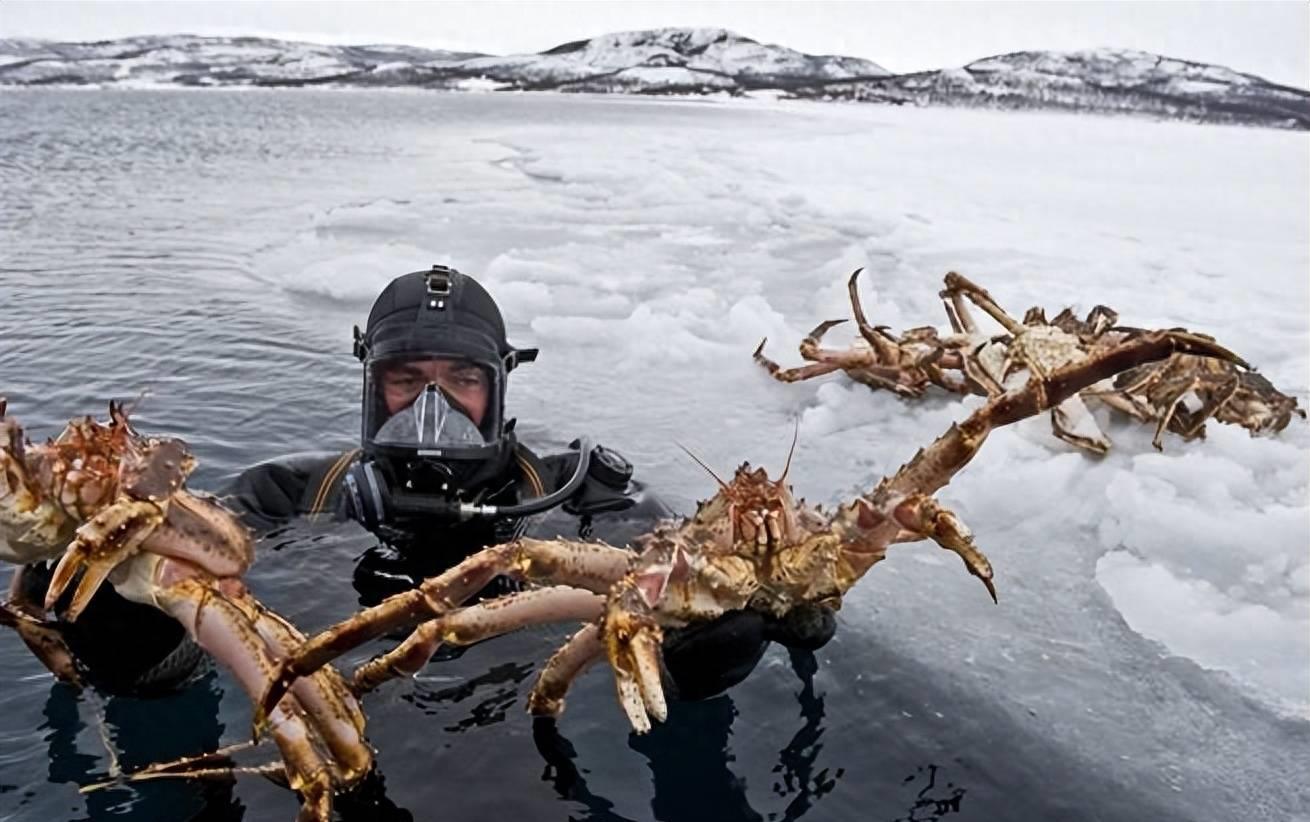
(1156, 392)
(751, 545)
(112, 505)
(905, 365)
(1160, 392)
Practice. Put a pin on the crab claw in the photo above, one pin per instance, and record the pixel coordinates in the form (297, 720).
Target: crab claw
(318, 729)
(633, 645)
(46, 641)
(107, 539)
(923, 516)
(817, 333)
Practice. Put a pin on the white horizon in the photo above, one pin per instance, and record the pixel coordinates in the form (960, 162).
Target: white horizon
(1268, 39)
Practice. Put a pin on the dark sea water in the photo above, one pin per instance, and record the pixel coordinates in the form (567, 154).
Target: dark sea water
(148, 242)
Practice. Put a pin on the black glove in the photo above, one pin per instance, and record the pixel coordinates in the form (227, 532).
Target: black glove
(705, 660)
(807, 627)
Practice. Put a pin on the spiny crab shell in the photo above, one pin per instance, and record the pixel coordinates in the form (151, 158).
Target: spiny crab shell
(112, 505)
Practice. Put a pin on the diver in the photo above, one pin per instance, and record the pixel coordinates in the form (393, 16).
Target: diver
(440, 474)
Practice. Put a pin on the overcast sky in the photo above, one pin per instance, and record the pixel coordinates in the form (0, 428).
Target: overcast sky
(1270, 38)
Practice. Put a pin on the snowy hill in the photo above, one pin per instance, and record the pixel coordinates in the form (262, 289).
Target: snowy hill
(1099, 80)
(676, 61)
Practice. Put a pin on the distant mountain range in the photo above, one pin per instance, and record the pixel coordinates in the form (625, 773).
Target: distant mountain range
(677, 61)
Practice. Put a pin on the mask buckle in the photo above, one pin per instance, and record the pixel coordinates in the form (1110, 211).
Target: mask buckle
(519, 355)
(360, 348)
(439, 283)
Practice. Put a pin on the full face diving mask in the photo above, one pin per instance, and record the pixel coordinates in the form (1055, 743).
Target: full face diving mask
(431, 426)
(446, 421)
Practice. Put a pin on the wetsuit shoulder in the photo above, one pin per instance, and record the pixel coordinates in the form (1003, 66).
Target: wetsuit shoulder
(610, 505)
(271, 493)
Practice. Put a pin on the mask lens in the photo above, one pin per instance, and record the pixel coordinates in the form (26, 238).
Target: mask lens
(431, 421)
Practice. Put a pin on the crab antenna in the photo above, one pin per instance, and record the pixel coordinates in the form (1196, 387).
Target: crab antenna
(721, 483)
(129, 410)
(795, 434)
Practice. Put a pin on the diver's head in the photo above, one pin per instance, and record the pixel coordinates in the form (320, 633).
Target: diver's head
(435, 362)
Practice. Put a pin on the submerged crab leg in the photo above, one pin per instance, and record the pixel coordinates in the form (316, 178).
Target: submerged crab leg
(583, 649)
(588, 565)
(318, 730)
(44, 639)
(476, 623)
(867, 526)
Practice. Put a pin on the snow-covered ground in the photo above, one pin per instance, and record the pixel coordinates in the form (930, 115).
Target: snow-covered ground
(647, 263)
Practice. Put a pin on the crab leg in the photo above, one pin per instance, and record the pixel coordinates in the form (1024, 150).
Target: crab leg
(222, 629)
(476, 623)
(44, 640)
(324, 694)
(198, 530)
(899, 504)
(887, 350)
(957, 312)
(1069, 418)
(803, 372)
(588, 565)
(861, 366)
(633, 642)
(958, 284)
(1193, 425)
(583, 649)
(317, 730)
(1173, 401)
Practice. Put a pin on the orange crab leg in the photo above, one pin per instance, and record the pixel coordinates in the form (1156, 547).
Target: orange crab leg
(887, 350)
(797, 374)
(586, 565)
(583, 649)
(475, 623)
